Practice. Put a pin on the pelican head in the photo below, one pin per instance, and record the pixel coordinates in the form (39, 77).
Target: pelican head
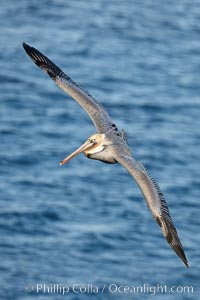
(94, 144)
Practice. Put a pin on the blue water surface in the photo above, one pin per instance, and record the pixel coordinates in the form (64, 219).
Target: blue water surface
(86, 222)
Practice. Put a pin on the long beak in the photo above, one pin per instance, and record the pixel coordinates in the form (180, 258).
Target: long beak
(88, 144)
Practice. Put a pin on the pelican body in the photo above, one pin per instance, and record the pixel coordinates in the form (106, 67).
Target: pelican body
(100, 147)
(109, 145)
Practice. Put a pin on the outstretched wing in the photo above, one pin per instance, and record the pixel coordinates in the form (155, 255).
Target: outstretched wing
(97, 113)
(155, 201)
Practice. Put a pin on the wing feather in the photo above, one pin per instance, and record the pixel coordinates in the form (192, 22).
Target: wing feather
(155, 201)
(97, 113)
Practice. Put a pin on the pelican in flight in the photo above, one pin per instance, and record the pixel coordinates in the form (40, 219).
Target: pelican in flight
(110, 146)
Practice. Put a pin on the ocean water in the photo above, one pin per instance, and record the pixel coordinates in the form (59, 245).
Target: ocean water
(86, 223)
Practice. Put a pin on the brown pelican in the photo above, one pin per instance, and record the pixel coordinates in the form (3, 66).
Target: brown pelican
(111, 146)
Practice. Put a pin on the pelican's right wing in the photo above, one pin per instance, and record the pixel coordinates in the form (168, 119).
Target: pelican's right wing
(97, 113)
(155, 201)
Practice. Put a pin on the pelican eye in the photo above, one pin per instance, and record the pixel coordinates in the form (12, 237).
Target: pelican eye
(93, 141)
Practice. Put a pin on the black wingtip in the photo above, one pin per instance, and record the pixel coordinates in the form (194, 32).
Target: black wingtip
(186, 263)
(179, 251)
(26, 47)
(42, 61)
(184, 259)
(30, 51)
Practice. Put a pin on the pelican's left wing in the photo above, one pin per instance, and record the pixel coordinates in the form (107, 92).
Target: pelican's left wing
(95, 110)
(155, 201)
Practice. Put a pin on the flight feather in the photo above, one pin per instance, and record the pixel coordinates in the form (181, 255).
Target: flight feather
(155, 201)
(95, 110)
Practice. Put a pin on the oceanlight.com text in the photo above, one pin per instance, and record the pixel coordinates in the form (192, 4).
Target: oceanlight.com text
(112, 288)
